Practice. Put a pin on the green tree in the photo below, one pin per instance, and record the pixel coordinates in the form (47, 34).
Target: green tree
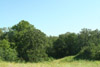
(66, 45)
(50, 49)
(89, 44)
(29, 42)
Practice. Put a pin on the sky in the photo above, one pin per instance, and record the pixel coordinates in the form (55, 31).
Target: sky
(52, 17)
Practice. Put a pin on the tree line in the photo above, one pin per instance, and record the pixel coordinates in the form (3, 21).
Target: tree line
(23, 42)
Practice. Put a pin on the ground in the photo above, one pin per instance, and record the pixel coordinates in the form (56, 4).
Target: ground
(64, 62)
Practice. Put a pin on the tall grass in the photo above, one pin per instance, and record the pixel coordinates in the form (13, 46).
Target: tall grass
(64, 62)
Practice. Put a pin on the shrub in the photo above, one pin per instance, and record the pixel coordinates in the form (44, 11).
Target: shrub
(91, 52)
(6, 53)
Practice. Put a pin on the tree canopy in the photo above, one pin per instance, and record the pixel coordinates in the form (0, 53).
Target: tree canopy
(23, 42)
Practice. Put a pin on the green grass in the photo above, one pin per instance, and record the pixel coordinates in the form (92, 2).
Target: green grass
(64, 62)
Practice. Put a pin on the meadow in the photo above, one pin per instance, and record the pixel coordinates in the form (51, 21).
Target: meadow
(64, 62)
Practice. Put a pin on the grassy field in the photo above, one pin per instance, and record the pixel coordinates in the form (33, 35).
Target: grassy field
(64, 62)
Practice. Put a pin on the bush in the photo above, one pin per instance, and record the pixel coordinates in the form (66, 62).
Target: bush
(89, 53)
(6, 53)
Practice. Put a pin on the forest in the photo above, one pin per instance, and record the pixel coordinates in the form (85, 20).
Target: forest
(24, 42)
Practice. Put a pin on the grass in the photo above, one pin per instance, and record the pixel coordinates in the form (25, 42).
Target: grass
(64, 62)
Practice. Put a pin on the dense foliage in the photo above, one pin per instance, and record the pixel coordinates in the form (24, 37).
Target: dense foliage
(23, 42)
(7, 53)
(65, 45)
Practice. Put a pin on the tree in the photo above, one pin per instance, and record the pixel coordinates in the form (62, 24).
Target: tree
(89, 44)
(29, 42)
(0, 32)
(66, 45)
(50, 49)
